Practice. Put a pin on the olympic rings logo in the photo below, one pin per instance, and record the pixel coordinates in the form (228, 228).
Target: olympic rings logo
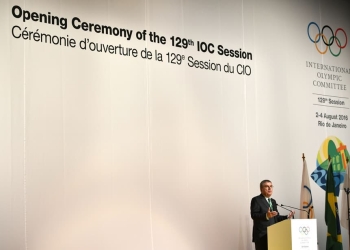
(329, 43)
(304, 230)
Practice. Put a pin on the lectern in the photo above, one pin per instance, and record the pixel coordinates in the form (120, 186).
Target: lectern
(293, 234)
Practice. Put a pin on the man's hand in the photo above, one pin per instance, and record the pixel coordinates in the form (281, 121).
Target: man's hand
(291, 214)
(271, 214)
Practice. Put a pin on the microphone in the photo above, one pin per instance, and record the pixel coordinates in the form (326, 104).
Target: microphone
(308, 212)
(285, 209)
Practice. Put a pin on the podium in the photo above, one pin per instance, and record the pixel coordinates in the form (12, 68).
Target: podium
(293, 234)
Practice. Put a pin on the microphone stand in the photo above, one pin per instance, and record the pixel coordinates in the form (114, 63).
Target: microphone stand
(308, 213)
(286, 209)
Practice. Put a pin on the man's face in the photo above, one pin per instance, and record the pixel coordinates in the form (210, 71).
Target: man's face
(267, 189)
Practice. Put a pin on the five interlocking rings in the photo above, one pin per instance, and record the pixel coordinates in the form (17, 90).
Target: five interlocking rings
(324, 39)
(304, 230)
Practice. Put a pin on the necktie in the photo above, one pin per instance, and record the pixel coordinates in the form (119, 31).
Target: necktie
(270, 203)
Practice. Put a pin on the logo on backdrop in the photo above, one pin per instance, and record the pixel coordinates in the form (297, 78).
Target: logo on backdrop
(335, 43)
(336, 149)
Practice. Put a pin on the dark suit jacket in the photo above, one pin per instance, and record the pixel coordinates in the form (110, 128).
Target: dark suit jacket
(258, 210)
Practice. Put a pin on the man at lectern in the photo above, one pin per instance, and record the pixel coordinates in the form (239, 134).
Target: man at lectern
(263, 210)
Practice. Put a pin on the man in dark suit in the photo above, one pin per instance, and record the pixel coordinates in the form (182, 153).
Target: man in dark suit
(263, 210)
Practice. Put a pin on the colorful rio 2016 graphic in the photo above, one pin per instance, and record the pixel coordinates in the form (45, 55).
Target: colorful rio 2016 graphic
(340, 42)
(335, 148)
